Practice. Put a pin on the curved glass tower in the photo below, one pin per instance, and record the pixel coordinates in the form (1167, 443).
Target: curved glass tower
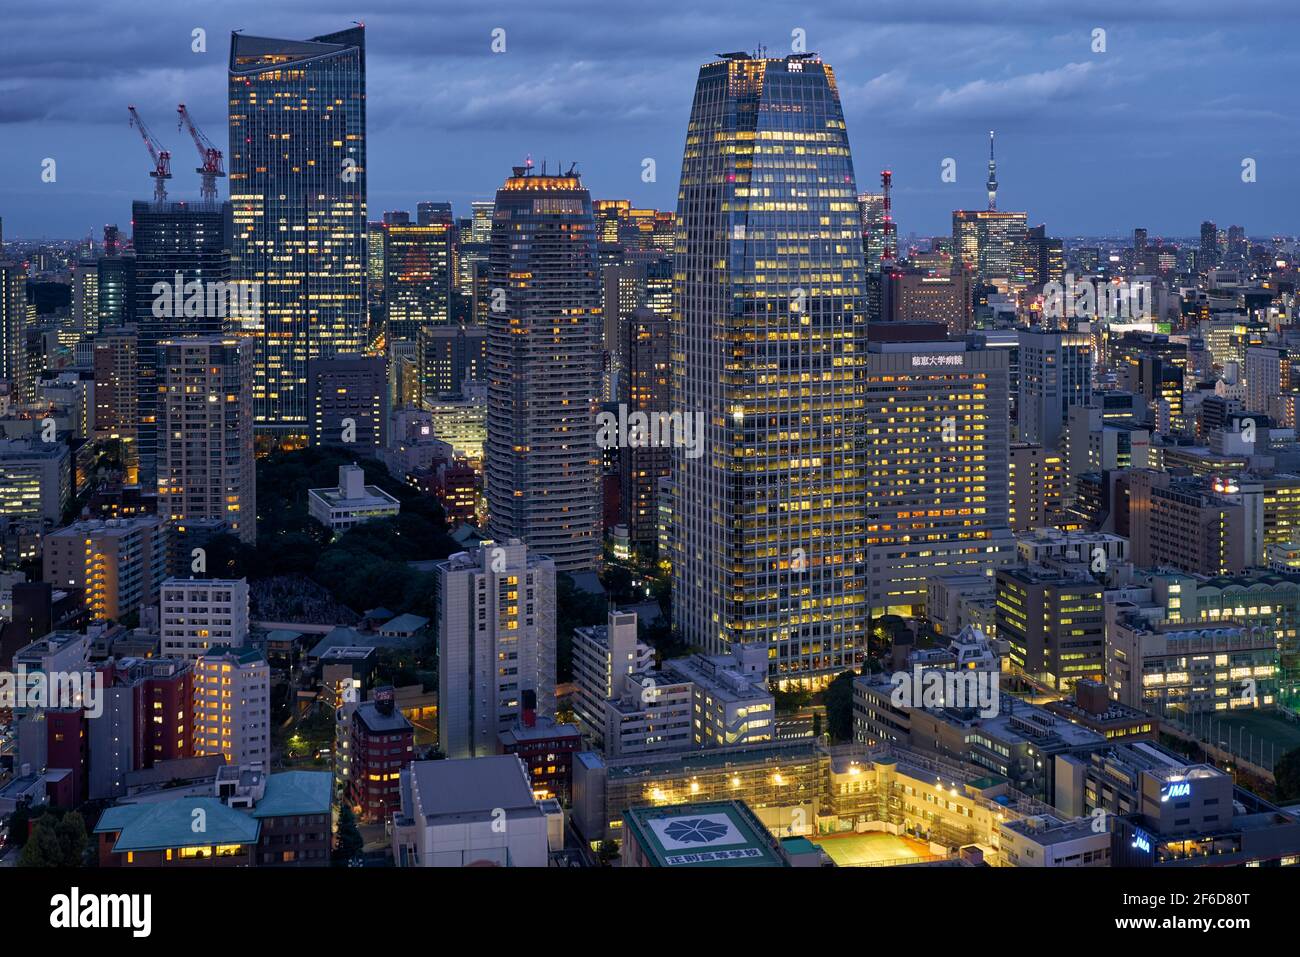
(769, 339)
(298, 199)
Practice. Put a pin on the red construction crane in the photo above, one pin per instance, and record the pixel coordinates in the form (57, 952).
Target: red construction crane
(208, 154)
(162, 159)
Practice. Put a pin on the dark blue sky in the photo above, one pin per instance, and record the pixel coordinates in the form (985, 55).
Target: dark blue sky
(1152, 132)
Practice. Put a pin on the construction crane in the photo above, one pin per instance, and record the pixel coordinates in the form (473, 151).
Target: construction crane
(162, 159)
(208, 154)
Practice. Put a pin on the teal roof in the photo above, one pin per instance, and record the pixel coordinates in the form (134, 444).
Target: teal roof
(406, 624)
(155, 826)
(296, 792)
(706, 834)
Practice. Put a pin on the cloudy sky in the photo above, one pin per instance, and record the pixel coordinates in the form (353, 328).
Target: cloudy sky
(1151, 132)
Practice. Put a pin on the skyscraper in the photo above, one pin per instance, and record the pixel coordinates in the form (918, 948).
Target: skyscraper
(13, 322)
(298, 194)
(543, 358)
(182, 279)
(643, 387)
(768, 537)
(417, 277)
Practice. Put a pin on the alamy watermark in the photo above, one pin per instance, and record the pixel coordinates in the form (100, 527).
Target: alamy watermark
(35, 690)
(1085, 299)
(639, 430)
(934, 688)
(197, 299)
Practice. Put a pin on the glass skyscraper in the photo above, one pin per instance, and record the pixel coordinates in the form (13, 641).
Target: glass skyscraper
(298, 197)
(769, 339)
(543, 359)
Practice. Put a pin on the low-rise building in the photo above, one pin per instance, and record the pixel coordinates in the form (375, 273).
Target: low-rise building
(351, 503)
(469, 812)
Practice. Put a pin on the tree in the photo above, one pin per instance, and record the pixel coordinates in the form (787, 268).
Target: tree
(607, 851)
(55, 840)
(348, 842)
(839, 706)
(72, 837)
(1287, 775)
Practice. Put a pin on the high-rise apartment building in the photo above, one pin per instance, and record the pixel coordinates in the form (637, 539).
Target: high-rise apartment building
(768, 346)
(13, 321)
(116, 362)
(120, 563)
(205, 449)
(543, 371)
(232, 706)
(198, 614)
(495, 611)
(298, 198)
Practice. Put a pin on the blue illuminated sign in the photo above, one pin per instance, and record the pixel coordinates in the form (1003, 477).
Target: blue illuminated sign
(1178, 789)
(1141, 842)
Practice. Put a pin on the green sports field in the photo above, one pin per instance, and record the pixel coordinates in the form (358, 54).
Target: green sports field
(872, 849)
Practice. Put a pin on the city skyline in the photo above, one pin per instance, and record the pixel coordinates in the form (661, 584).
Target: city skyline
(924, 86)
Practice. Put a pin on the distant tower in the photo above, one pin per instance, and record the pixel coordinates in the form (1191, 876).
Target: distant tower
(993, 176)
(891, 246)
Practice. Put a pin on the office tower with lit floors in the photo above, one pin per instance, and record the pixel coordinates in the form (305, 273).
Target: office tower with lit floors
(768, 344)
(181, 252)
(543, 369)
(936, 498)
(298, 198)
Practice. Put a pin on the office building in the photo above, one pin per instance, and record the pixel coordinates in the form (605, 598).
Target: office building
(349, 402)
(298, 200)
(644, 387)
(1053, 624)
(469, 813)
(768, 539)
(35, 479)
(702, 701)
(994, 245)
(1205, 526)
(1055, 375)
(1036, 486)
(418, 277)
